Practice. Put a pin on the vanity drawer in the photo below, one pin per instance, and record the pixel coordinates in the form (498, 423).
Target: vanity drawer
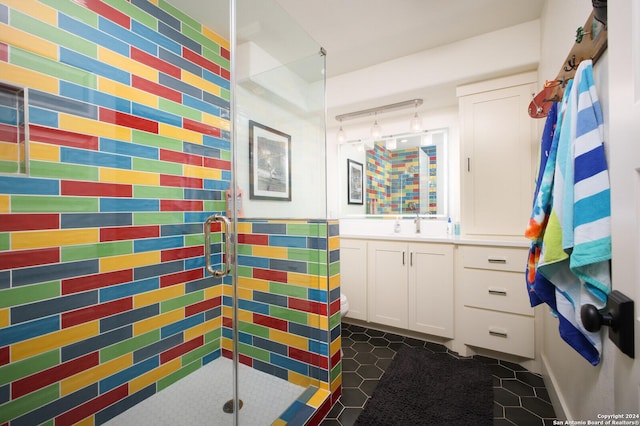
(496, 290)
(498, 331)
(494, 258)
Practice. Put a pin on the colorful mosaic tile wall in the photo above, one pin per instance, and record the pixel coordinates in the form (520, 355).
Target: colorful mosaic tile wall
(405, 181)
(103, 296)
(432, 177)
(378, 166)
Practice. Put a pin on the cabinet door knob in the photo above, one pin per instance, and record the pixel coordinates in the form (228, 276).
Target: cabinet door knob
(496, 260)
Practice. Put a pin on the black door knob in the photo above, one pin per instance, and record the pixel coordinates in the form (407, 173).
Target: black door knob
(593, 320)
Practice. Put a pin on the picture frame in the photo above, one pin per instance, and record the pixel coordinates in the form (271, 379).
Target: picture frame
(355, 182)
(269, 163)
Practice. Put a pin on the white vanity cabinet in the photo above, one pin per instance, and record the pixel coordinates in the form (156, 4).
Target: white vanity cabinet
(353, 276)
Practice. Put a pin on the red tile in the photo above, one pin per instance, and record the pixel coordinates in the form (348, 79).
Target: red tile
(22, 258)
(4, 52)
(91, 407)
(270, 275)
(156, 89)
(200, 127)
(308, 306)
(129, 233)
(334, 307)
(225, 53)
(181, 349)
(227, 322)
(4, 355)
(180, 157)
(90, 313)
(181, 277)
(154, 62)
(28, 222)
(271, 322)
(200, 60)
(52, 375)
(90, 282)
(181, 206)
(309, 357)
(254, 239)
(95, 189)
(179, 181)
(127, 120)
(181, 253)
(336, 357)
(205, 305)
(227, 353)
(320, 413)
(226, 74)
(107, 11)
(8, 133)
(246, 360)
(215, 163)
(62, 137)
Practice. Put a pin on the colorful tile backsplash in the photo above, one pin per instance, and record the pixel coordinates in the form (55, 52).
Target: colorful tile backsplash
(104, 300)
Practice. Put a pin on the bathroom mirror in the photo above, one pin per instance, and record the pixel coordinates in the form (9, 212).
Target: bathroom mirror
(405, 174)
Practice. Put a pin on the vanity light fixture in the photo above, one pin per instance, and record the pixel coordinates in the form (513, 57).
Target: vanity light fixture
(342, 136)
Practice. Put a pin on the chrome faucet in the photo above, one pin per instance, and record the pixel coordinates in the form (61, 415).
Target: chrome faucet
(417, 222)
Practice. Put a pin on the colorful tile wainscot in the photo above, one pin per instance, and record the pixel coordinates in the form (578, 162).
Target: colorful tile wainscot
(104, 299)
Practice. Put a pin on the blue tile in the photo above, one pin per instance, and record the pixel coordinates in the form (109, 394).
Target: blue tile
(270, 299)
(5, 279)
(153, 244)
(128, 205)
(94, 66)
(201, 194)
(271, 346)
(245, 338)
(174, 34)
(196, 262)
(334, 256)
(211, 357)
(164, 268)
(38, 274)
(271, 369)
(197, 217)
(182, 325)
(287, 241)
(127, 36)
(95, 220)
(334, 230)
(269, 228)
(124, 404)
(27, 185)
(213, 313)
(98, 342)
(45, 308)
(220, 143)
(318, 373)
(5, 394)
(25, 331)
(186, 89)
(253, 261)
(320, 348)
(182, 229)
(8, 113)
(317, 295)
(297, 414)
(205, 151)
(156, 12)
(227, 333)
(253, 306)
(219, 185)
(289, 364)
(334, 294)
(157, 348)
(87, 32)
(127, 148)
(156, 115)
(85, 94)
(47, 412)
(4, 14)
(128, 374)
(193, 100)
(226, 176)
(217, 101)
(317, 243)
(93, 158)
(308, 332)
(202, 283)
(62, 104)
(335, 333)
(43, 117)
(154, 36)
(116, 292)
(129, 317)
(222, 82)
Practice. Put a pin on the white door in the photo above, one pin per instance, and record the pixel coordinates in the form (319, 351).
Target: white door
(387, 262)
(624, 162)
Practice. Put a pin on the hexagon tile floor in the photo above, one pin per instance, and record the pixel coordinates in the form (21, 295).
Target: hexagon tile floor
(520, 397)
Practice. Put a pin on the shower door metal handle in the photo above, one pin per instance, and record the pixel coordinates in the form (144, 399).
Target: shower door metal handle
(207, 245)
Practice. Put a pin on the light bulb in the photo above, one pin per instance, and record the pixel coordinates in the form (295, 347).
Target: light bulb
(342, 136)
(376, 131)
(416, 123)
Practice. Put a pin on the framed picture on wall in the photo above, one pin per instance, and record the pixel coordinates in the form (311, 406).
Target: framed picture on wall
(269, 163)
(355, 182)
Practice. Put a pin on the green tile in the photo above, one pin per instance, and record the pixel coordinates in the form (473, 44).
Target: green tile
(129, 345)
(225, 155)
(158, 192)
(157, 166)
(50, 67)
(334, 320)
(202, 351)
(195, 33)
(158, 141)
(213, 336)
(27, 403)
(306, 255)
(133, 12)
(182, 301)
(214, 56)
(158, 218)
(27, 294)
(64, 171)
(245, 249)
(179, 109)
(93, 251)
(174, 377)
(19, 369)
(53, 34)
(74, 10)
(181, 16)
(244, 271)
(288, 314)
(225, 94)
(214, 206)
(253, 329)
(336, 371)
(309, 229)
(288, 290)
(334, 269)
(253, 352)
(9, 167)
(4, 241)
(35, 204)
(317, 269)
(193, 240)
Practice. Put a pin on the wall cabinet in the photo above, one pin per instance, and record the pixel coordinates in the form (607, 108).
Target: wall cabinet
(353, 276)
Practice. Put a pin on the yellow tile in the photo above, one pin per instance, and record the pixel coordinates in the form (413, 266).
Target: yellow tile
(244, 227)
(92, 375)
(127, 64)
(24, 77)
(127, 92)
(93, 127)
(334, 385)
(318, 321)
(304, 280)
(55, 340)
(279, 422)
(199, 330)
(201, 172)
(4, 203)
(155, 296)
(28, 42)
(115, 263)
(334, 281)
(215, 37)
(54, 238)
(245, 316)
(289, 339)
(179, 133)
(129, 177)
(227, 312)
(156, 322)
(227, 344)
(250, 283)
(300, 380)
(87, 421)
(154, 375)
(215, 121)
(245, 293)
(200, 83)
(34, 9)
(44, 152)
(211, 292)
(318, 398)
(334, 243)
(4, 317)
(9, 151)
(335, 346)
(273, 252)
